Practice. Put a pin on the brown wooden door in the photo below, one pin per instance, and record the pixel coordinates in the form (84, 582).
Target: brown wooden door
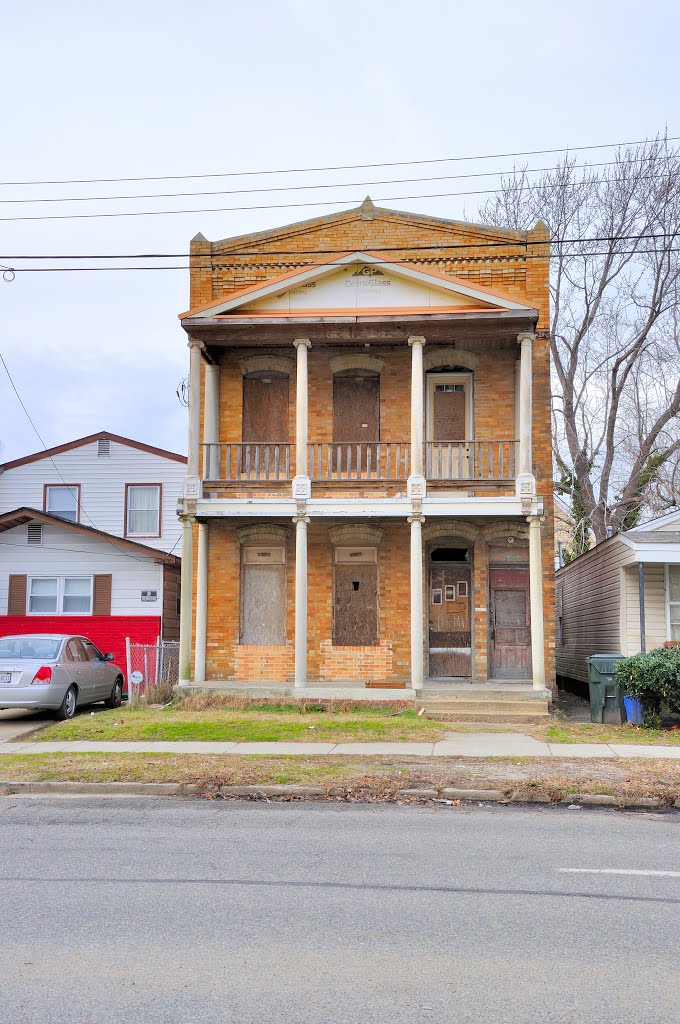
(450, 636)
(509, 623)
(356, 418)
(448, 414)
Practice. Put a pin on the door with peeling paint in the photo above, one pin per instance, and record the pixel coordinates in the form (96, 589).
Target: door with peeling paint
(450, 630)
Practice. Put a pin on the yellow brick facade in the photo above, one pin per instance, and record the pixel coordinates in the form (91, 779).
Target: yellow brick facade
(519, 271)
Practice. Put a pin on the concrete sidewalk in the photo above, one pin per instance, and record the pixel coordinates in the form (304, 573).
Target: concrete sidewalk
(454, 745)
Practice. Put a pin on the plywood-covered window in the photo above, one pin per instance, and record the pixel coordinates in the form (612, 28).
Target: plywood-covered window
(356, 406)
(355, 597)
(265, 407)
(263, 595)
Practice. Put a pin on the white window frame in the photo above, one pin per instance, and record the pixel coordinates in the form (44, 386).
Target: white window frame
(73, 490)
(132, 533)
(61, 584)
(669, 603)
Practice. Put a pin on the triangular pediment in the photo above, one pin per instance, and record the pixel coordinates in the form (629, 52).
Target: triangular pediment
(358, 281)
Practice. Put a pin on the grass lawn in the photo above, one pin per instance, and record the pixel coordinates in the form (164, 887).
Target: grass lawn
(355, 778)
(584, 732)
(255, 724)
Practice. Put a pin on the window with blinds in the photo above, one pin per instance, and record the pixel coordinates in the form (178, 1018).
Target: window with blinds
(143, 510)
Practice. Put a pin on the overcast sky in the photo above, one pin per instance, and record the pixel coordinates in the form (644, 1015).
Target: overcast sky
(112, 90)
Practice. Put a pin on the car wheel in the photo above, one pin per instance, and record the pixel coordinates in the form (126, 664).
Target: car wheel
(68, 705)
(116, 698)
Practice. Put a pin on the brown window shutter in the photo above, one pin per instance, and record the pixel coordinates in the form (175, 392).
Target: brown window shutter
(16, 602)
(101, 602)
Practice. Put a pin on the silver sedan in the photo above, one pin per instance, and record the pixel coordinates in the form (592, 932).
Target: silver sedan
(53, 672)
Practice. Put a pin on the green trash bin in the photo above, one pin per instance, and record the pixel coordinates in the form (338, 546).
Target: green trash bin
(606, 697)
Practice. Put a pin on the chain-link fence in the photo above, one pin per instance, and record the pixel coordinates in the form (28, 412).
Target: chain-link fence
(152, 669)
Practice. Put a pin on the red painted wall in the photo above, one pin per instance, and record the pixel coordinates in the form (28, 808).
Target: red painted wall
(108, 632)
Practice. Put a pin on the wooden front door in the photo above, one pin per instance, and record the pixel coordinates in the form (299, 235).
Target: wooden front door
(265, 409)
(450, 636)
(509, 623)
(356, 422)
(448, 426)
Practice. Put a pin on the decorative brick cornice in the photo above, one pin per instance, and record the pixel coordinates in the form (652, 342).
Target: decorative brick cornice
(506, 528)
(264, 363)
(262, 534)
(357, 361)
(357, 534)
(451, 530)
(435, 357)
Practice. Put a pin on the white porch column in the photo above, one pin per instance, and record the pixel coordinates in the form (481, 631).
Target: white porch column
(211, 420)
(301, 599)
(193, 462)
(416, 601)
(185, 607)
(201, 604)
(417, 405)
(301, 407)
(525, 374)
(536, 603)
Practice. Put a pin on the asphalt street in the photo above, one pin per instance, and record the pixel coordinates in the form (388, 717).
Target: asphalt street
(157, 910)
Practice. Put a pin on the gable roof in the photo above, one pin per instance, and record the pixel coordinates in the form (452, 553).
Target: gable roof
(369, 212)
(20, 516)
(661, 521)
(103, 435)
(445, 283)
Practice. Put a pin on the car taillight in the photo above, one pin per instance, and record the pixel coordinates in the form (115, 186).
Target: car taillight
(43, 675)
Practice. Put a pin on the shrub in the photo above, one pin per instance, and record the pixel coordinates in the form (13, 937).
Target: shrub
(654, 679)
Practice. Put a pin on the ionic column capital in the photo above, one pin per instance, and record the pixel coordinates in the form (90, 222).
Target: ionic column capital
(302, 343)
(195, 343)
(418, 341)
(526, 336)
(415, 519)
(301, 519)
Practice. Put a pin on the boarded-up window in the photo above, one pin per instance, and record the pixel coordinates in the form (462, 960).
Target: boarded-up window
(355, 599)
(263, 596)
(356, 407)
(449, 413)
(265, 408)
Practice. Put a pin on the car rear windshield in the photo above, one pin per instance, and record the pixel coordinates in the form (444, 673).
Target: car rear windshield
(29, 647)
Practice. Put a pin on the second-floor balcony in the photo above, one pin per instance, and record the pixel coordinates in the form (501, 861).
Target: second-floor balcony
(473, 461)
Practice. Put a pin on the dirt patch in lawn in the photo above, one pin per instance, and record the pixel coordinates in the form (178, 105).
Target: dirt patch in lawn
(357, 777)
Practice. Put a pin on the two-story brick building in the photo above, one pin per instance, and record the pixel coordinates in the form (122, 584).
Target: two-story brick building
(369, 490)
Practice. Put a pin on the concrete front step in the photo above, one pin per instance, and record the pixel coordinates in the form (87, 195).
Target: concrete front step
(485, 707)
(484, 692)
(489, 717)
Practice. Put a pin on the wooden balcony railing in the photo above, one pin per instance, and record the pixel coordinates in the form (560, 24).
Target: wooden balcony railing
(471, 460)
(359, 460)
(248, 460)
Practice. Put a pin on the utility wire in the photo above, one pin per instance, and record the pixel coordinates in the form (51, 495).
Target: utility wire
(314, 203)
(381, 263)
(120, 550)
(337, 167)
(312, 187)
(520, 242)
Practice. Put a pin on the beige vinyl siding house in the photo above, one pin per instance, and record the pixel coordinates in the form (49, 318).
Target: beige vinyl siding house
(598, 596)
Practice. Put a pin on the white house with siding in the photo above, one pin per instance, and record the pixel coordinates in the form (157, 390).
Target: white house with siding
(89, 541)
(622, 596)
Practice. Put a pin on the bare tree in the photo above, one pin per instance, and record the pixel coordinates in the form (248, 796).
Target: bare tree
(615, 327)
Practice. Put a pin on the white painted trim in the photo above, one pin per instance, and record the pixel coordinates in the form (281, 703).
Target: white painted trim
(61, 581)
(348, 508)
(667, 599)
(653, 552)
(316, 273)
(654, 524)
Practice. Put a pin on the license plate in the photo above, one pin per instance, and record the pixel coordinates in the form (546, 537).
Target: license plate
(5, 678)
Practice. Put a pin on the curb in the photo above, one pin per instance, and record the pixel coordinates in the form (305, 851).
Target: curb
(266, 792)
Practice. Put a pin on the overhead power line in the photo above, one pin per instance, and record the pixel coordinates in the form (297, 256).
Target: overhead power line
(507, 172)
(381, 263)
(520, 242)
(292, 206)
(336, 167)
